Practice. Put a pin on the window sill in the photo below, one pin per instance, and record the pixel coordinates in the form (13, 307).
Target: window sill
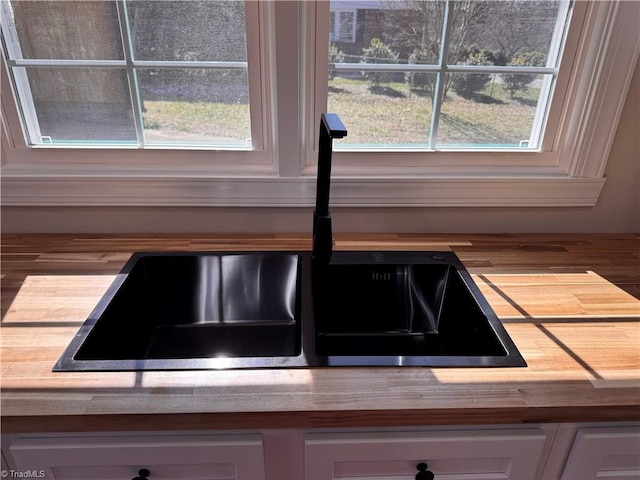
(438, 191)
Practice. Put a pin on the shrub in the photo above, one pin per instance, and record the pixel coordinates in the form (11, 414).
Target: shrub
(468, 85)
(496, 57)
(520, 81)
(378, 52)
(335, 56)
(424, 82)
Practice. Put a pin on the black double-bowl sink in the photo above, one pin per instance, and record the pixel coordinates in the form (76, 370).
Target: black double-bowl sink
(207, 310)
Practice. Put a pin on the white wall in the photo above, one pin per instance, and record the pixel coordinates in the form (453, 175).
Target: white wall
(618, 209)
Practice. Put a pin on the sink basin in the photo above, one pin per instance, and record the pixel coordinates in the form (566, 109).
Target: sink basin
(173, 307)
(204, 310)
(401, 310)
(374, 306)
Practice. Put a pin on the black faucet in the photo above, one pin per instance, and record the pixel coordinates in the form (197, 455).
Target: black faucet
(330, 127)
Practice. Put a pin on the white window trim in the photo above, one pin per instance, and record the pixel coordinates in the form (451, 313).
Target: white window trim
(337, 23)
(569, 173)
(130, 66)
(59, 159)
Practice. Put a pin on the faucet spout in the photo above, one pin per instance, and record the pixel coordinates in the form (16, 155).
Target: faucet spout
(330, 127)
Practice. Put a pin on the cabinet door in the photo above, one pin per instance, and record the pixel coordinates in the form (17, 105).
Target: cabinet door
(166, 457)
(604, 453)
(463, 454)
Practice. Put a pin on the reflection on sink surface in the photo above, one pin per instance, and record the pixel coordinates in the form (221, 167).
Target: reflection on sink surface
(201, 310)
(399, 310)
(197, 305)
(420, 309)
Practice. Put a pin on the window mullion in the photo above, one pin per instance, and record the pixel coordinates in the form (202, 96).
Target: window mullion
(438, 93)
(190, 64)
(132, 77)
(287, 91)
(403, 67)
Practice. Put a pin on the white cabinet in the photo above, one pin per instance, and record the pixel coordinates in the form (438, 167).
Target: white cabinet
(604, 453)
(500, 453)
(121, 457)
(541, 451)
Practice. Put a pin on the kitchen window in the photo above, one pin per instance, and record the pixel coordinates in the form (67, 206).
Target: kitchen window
(275, 95)
(139, 73)
(447, 74)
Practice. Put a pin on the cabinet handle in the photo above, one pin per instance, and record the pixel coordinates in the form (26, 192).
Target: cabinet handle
(423, 473)
(143, 474)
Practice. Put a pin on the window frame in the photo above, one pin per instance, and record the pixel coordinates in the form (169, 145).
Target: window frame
(568, 172)
(441, 69)
(132, 68)
(569, 168)
(122, 159)
(338, 22)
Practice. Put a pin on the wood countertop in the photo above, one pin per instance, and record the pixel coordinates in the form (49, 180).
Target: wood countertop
(571, 304)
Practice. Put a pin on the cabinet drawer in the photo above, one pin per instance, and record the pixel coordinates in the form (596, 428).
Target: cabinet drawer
(461, 454)
(604, 453)
(167, 457)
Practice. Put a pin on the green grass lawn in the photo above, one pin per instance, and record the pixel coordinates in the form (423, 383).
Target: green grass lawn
(389, 114)
(394, 115)
(196, 122)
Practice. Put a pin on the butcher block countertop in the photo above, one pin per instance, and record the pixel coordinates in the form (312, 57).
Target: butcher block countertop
(571, 304)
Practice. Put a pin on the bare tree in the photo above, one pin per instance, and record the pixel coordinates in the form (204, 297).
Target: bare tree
(517, 26)
(418, 25)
